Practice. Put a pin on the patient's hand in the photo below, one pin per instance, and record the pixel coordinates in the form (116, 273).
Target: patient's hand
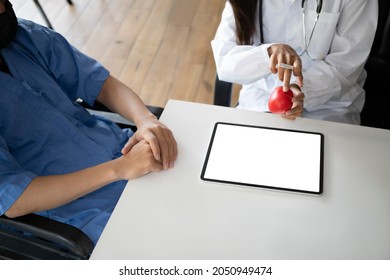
(138, 161)
(160, 139)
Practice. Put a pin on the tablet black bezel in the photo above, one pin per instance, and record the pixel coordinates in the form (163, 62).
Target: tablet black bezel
(320, 191)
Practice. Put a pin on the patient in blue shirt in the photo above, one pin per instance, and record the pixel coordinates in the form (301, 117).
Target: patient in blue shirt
(56, 159)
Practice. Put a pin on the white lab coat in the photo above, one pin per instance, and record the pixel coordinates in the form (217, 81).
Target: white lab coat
(342, 39)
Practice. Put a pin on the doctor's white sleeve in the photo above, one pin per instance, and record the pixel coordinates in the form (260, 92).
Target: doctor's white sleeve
(336, 80)
(241, 64)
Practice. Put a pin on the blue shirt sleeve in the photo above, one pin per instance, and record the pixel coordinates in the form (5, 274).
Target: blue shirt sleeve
(13, 178)
(79, 75)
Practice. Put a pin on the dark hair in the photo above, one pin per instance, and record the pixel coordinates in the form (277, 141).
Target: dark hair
(245, 17)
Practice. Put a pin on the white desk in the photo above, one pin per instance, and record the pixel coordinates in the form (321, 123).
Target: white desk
(175, 215)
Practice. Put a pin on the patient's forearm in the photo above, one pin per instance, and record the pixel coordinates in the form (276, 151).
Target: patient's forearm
(121, 99)
(47, 192)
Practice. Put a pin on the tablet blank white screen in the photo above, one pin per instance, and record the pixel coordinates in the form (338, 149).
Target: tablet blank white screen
(265, 157)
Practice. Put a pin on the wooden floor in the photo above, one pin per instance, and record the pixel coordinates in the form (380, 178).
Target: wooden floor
(160, 48)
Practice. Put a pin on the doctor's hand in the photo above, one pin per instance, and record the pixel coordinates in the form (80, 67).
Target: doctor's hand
(284, 60)
(160, 139)
(297, 107)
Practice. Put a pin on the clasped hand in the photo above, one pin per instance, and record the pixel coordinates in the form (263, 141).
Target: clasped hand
(162, 143)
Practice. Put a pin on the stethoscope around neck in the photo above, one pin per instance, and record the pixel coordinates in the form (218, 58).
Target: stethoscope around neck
(305, 39)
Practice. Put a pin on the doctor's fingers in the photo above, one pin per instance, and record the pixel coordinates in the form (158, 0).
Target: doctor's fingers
(282, 49)
(300, 97)
(295, 111)
(281, 53)
(298, 94)
(298, 103)
(297, 71)
(292, 66)
(285, 71)
(297, 107)
(285, 77)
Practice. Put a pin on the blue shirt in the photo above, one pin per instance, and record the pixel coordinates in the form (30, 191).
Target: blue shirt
(44, 132)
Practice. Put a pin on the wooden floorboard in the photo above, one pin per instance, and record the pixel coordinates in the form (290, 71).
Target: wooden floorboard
(159, 48)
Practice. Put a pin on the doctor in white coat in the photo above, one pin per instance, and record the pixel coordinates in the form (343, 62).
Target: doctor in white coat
(315, 47)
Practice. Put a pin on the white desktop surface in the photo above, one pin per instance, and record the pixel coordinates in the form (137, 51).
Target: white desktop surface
(175, 215)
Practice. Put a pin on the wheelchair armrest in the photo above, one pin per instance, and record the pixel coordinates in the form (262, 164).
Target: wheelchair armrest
(36, 237)
(222, 92)
(101, 110)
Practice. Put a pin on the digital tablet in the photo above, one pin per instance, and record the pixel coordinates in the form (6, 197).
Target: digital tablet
(265, 157)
